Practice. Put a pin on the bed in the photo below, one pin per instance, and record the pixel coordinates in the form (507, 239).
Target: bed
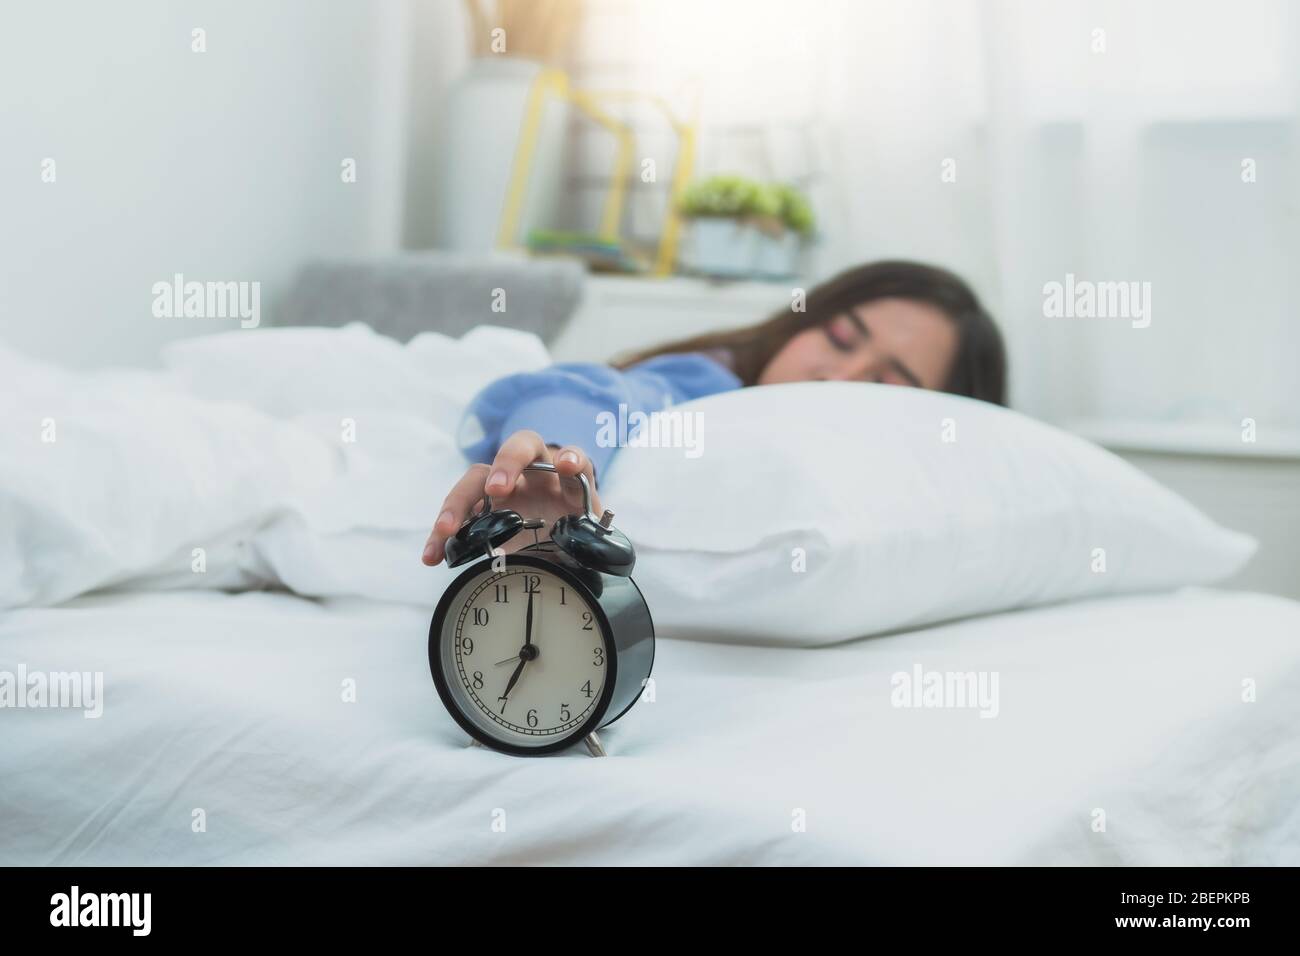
(230, 543)
(225, 738)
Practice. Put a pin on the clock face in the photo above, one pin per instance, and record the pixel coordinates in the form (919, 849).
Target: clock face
(524, 654)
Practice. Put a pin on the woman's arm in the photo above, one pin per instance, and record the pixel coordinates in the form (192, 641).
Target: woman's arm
(552, 415)
(563, 403)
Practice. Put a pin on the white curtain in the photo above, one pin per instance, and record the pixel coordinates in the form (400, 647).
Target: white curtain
(1016, 143)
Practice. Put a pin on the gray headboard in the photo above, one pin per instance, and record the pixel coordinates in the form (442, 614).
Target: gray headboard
(403, 295)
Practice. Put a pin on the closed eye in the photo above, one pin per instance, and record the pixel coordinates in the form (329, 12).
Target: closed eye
(860, 331)
(844, 332)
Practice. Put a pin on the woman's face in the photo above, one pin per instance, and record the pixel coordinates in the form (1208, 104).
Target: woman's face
(894, 341)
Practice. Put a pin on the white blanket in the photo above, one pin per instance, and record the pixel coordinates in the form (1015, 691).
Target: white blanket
(315, 458)
(225, 739)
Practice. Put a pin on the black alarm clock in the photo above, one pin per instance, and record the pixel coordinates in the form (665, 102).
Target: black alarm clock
(536, 650)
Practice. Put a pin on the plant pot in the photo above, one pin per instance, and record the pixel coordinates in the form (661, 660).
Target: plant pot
(718, 246)
(777, 257)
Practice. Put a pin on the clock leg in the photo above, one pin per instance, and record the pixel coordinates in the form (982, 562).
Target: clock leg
(591, 740)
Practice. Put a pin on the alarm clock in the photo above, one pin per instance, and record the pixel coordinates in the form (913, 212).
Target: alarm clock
(534, 651)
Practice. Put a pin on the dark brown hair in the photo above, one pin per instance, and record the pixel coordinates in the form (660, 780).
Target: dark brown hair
(979, 369)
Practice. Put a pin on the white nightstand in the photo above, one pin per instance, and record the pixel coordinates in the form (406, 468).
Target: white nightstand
(618, 314)
(1247, 486)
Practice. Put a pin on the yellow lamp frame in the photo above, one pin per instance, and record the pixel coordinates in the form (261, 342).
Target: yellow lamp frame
(552, 82)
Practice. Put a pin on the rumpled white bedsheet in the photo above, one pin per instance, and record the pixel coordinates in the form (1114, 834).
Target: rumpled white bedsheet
(233, 704)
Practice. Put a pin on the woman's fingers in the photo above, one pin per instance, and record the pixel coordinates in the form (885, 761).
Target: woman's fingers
(500, 480)
(520, 449)
(572, 460)
(464, 496)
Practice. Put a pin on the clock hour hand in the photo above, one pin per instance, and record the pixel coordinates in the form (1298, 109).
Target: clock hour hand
(513, 678)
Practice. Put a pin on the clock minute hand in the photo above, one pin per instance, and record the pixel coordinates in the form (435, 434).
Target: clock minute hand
(528, 630)
(528, 622)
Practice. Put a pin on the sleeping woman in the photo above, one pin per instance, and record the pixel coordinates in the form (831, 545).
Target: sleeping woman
(897, 323)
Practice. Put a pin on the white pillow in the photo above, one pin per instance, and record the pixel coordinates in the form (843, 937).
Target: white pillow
(904, 506)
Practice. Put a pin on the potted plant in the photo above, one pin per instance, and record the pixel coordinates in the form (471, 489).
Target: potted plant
(740, 228)
(781, 242)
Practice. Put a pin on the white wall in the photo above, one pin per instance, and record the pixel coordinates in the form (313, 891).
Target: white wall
(1016, 142)
(439, 42)
(223, 165)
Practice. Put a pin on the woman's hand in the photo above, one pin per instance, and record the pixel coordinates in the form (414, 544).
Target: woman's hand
(533, 494)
